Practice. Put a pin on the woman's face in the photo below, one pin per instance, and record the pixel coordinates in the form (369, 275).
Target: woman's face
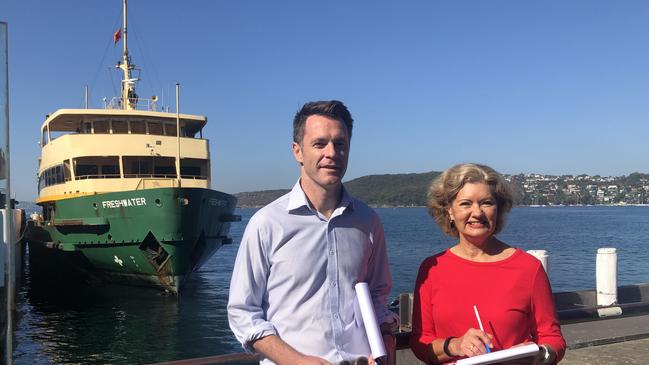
(474, 211)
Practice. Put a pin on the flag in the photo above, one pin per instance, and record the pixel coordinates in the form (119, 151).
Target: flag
(117, 36)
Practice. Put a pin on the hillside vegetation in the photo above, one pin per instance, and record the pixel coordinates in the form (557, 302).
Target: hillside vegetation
(407, 190)
(390, 190)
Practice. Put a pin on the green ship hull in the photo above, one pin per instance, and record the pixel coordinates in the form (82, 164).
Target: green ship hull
(152, 237)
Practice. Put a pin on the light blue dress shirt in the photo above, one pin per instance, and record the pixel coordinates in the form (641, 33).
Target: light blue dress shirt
(295, 273)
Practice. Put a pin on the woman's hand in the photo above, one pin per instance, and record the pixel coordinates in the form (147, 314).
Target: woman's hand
(473, 343)
(545, 356)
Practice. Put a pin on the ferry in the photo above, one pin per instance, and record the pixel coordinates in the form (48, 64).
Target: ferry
(125, 192)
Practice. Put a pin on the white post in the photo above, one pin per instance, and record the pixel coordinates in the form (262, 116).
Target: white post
(178, 131)
(7, 221)
(606, 281)
(542, 255)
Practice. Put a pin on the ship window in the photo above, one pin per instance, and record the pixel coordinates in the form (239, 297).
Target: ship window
(170, 129)
(53, 176)
(164, 167)
(138, 127)
(119, 127)
(149, 166)
(194, 168)
(48, 180)
(86, 171)
(155, 128)
(190, 130)
(86, 128)
(96, 167)
(186, 132)
(100, 126)
(110, 170)
(137, 166)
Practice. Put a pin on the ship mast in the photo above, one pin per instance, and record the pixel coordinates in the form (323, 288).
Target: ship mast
(129, 97)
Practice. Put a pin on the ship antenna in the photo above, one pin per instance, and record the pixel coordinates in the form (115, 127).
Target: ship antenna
(129, 97)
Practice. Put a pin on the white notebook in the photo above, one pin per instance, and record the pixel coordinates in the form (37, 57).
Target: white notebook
(501, 356)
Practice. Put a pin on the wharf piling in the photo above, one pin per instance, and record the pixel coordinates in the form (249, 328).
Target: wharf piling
(542, 255)
(606, 282)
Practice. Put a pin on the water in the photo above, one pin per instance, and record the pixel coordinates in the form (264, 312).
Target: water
(571, 235)
(120, 325)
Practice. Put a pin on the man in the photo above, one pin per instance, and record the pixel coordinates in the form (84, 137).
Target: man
(292, 295)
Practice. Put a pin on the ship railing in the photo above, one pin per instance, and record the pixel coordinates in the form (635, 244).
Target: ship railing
(139, 103)
(151, 176)
(97, 176)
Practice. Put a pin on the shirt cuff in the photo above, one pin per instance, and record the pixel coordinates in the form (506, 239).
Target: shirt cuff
(257, 332)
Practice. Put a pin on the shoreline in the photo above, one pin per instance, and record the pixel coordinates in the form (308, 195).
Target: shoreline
(374, 206)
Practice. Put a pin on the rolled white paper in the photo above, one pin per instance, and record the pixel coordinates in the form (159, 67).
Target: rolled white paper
(369, 319)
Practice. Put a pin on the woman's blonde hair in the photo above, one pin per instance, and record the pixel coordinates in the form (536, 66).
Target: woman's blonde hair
(445, 187)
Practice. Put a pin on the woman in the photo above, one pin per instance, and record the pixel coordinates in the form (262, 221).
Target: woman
(508, 287)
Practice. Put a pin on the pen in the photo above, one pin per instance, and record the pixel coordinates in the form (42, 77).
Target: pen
(477, 315)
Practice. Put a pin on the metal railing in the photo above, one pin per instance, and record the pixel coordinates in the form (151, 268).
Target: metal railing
(140, 103)
(97, 176)
(165, 176)
(151, 176)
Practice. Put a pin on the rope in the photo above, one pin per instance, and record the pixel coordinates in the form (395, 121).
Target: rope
(141, 49)
(103, 57)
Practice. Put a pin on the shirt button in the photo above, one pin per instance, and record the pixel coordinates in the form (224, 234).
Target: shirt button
(333, 283)
(331, 252)
(336, 316)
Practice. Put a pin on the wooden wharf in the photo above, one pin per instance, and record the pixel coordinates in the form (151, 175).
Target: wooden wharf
(591, 338)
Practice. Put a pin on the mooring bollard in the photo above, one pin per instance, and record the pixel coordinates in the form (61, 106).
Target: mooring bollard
(542, 255)
(606, 281)
(405, 311)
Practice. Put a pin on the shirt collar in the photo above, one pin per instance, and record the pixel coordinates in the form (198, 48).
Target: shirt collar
(297, 199)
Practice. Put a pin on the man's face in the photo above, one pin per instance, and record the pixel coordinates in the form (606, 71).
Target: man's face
(323, 153)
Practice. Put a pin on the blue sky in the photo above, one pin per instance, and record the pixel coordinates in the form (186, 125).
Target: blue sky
(556, 87)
